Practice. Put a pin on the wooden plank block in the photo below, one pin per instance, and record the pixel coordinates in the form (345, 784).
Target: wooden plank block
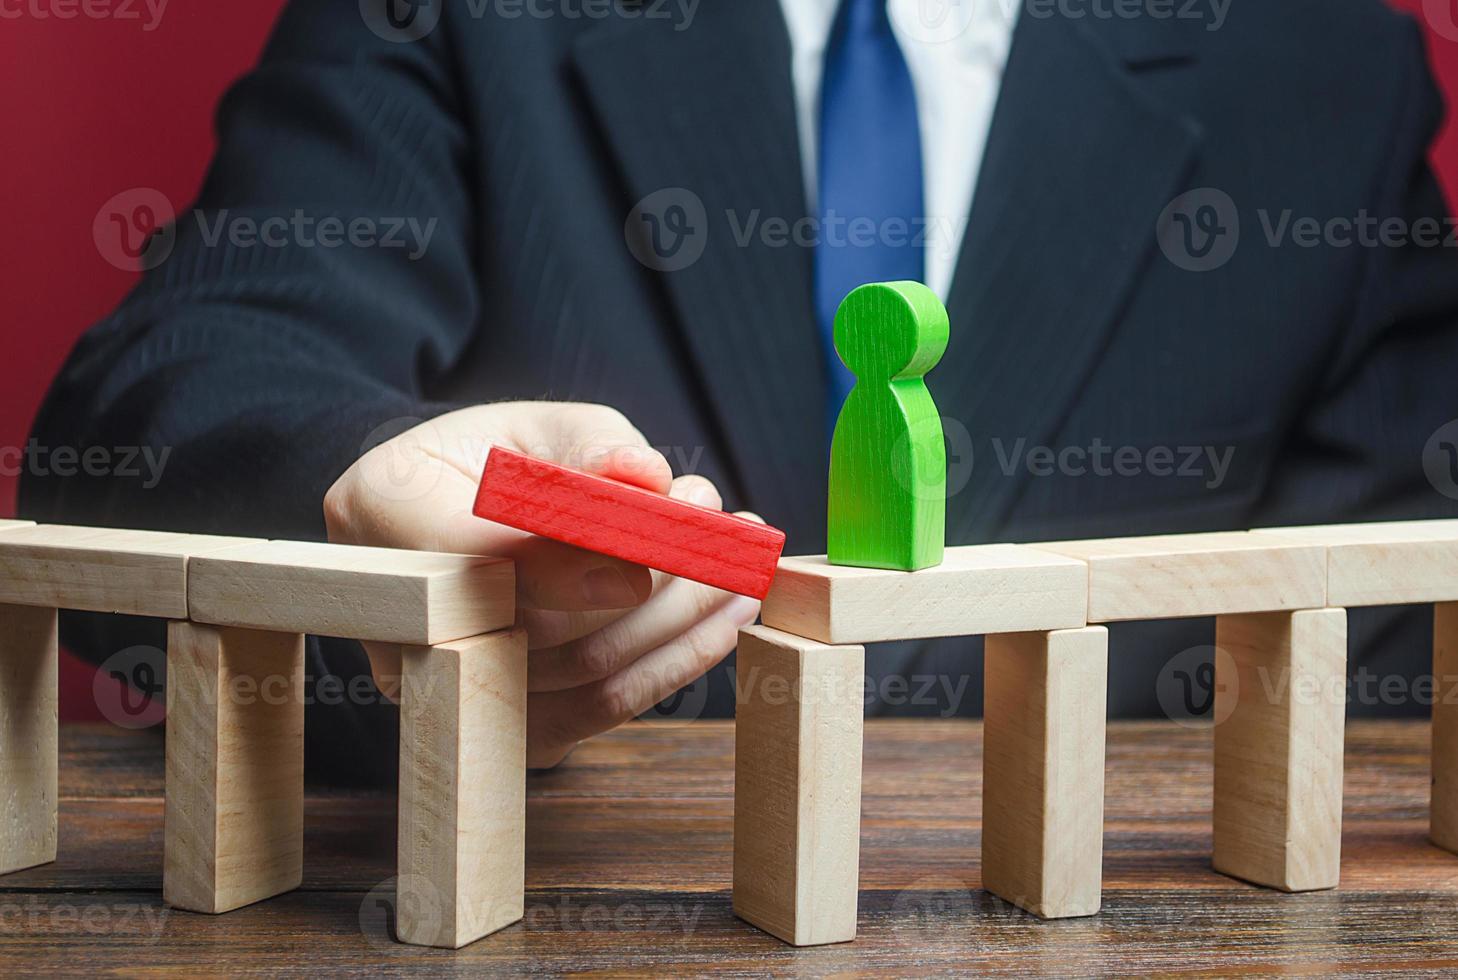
(28, 748)
(1177, 575)
(234, 827)
(462, 832)
(1043, 769)
(383, 594)
(139, 573)
(9, 525)
(797, 786)
(1280, 714)
(888, 467)
(1384, 563)
(627, 522)
(988, 588)
(1443, 812)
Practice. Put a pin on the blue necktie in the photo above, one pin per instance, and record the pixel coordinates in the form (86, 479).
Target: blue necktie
(871, 211)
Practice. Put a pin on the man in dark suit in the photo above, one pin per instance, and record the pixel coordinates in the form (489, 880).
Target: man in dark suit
(1174, 306)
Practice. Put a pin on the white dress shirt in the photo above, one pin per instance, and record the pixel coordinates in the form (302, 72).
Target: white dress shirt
(955, 51)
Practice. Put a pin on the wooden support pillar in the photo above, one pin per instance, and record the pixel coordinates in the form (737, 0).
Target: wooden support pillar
(1280, 715)
(28, 750)
(1443, 814)
(1044, 712)
(235, 766)
(797, 785)
(462, 843)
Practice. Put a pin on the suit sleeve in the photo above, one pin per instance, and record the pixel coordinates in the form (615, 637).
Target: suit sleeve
(1368, 445)
(322, 278)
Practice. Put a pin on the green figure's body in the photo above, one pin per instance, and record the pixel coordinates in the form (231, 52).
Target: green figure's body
(888, 467)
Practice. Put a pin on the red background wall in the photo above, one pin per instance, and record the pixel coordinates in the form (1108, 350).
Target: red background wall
(96, 107)
(92, 108)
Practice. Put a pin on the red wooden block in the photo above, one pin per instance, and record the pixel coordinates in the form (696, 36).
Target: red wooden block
(630, 523)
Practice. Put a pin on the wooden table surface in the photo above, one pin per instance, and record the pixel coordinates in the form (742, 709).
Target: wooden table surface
(628, 869)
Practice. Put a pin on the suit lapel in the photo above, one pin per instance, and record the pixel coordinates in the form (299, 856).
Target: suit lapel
(1080, 162)
(709, 110)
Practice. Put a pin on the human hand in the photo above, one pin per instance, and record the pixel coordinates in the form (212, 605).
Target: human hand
(608, 639)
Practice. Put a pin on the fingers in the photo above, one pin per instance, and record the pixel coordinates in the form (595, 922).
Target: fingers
(553, 576)
(416, 491)
(593, 438)
(386, 667)
(675, 608)
(558, 720)
(549, 627)
(550, 575)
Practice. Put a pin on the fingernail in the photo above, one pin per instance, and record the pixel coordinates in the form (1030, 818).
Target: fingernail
(608, 587)
(702, 495)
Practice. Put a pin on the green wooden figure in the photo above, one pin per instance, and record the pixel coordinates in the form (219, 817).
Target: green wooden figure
(888, 466)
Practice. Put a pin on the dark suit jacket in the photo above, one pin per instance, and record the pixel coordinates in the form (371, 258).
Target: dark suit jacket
(1322, 371)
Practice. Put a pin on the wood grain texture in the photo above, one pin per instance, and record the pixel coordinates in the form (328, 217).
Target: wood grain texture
(385, 594)
(629, 851)
(797, 786)
(1443, 818)
(28, 752)
(462, 836)
(888, 468)
(139, 573)
(628, 522)
(989, 588)
(1280, 708)
(1173, 576)
(235, 766)
(1384, 563)
(1043, 769)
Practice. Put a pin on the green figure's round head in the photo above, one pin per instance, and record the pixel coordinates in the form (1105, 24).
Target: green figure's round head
(885, 331)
